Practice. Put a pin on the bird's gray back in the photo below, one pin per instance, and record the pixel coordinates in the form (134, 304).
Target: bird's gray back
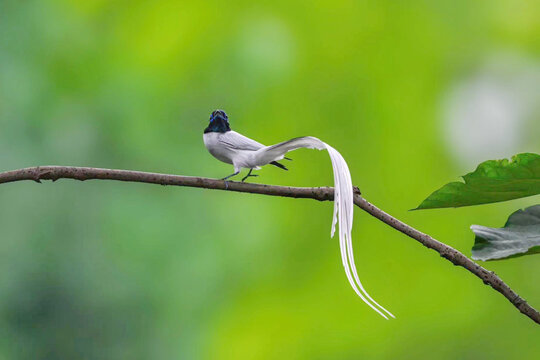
(236, 141)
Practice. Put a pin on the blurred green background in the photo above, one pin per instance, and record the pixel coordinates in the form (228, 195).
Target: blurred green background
(412, 93)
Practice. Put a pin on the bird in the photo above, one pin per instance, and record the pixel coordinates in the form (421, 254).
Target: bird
(231, 147)
(242, 152)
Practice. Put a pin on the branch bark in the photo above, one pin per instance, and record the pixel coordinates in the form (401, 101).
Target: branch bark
(317, 193)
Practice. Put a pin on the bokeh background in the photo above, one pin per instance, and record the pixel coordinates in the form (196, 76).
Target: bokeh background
(412, 93)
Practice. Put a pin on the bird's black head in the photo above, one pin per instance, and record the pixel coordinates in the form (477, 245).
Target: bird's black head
(219, 122)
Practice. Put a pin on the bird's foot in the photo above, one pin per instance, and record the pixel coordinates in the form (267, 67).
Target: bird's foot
(247, 176)
(227, 177)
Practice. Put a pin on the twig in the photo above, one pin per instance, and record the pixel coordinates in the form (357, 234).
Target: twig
(318, 193)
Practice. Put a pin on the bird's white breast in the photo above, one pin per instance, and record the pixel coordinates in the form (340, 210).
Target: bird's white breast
(212, 143)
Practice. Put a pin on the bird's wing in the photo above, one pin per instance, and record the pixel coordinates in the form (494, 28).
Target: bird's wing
(236, 141)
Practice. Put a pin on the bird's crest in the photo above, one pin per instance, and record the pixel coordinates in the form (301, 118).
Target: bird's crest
(219, 114)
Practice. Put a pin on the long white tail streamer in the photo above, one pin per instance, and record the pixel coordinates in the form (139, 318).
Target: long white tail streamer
(343, 205)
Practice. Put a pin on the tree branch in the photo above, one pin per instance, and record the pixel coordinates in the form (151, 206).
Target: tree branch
(318, 193)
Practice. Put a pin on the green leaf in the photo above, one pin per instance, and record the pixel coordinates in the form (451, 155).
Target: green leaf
(519, 236)
(492, 181)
